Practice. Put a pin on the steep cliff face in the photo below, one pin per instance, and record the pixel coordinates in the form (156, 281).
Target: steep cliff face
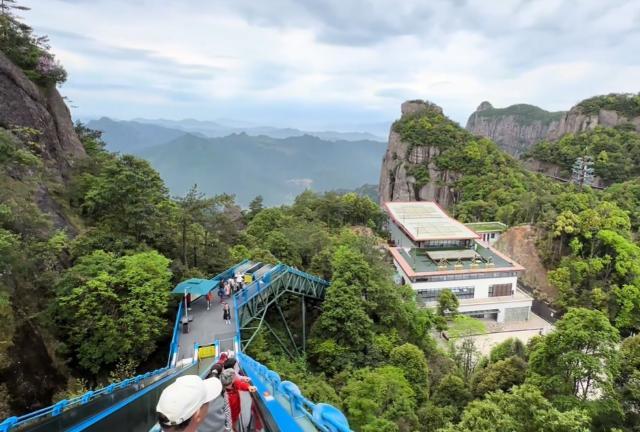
(25, 104)
(576, 120)
(516, 128)
(44, 113)
(409, 173)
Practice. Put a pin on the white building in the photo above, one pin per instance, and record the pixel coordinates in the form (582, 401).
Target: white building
(489, 231)
(433, 252)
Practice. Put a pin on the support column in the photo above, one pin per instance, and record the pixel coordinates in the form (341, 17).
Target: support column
(304, 325)
(286, 326)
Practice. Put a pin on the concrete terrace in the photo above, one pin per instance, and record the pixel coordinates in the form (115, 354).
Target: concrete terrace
(421, 263)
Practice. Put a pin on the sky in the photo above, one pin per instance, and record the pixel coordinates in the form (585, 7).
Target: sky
(335, 64)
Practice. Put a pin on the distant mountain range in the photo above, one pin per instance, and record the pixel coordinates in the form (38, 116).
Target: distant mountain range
(246, 165)
(225, 127)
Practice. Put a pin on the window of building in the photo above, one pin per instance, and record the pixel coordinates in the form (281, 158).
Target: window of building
(431, 295)
(500, 290)
(493, 235)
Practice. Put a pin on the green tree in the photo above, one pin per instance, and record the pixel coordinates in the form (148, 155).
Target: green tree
(382, 393)
(627, 383)
(255, 207)
(466, 355)
(523, 410)
(508, 348)
(447, 303)
(283, 248)
(452, 391)
(413, 363)
(501, 375)
(578, 357)
(110, 308)
(129, 199)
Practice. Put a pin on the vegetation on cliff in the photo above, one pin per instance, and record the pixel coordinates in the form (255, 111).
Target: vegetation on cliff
(627, 104)
(27, 51)
(524, 114)
(615, 152)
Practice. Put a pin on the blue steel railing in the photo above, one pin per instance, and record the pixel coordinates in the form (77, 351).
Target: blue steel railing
(257, 286)
(175, 339)
(65, 404)
(324, 417)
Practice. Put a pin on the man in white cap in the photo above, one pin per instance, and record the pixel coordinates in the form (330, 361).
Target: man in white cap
(183, 405)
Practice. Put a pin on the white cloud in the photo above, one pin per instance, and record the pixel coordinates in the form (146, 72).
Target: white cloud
(309, 63)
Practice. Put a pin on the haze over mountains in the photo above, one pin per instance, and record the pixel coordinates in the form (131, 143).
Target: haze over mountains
(277, 163)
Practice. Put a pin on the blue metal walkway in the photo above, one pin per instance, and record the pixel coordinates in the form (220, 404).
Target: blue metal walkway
(130, 404)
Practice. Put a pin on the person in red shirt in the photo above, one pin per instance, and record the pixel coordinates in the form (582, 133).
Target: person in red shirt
(209, 298)
(232, 388)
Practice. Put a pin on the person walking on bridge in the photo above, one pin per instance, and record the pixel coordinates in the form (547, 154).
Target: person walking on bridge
(226, 314)
(209, 298)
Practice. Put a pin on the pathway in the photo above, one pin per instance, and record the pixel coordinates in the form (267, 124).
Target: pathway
(206, 326)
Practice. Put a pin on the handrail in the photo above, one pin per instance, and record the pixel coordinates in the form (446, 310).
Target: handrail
(175, 339)
(65, 404)
(257, 286)
(325, 417)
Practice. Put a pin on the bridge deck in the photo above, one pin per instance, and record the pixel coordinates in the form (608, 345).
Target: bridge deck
(206, 326)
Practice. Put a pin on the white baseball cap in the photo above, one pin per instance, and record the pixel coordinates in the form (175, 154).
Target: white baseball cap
(182, 399)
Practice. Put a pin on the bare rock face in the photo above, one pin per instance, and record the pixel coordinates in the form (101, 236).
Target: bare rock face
(576, 121)
(25, 104)
(516, 128)
(396, 182)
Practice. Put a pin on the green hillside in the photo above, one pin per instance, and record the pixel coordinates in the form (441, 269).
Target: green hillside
(277, 169)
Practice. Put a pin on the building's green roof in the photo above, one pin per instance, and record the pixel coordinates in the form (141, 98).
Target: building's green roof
(484, 227)
(421, 263)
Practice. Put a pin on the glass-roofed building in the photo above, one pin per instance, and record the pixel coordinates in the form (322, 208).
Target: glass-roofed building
(433, 251)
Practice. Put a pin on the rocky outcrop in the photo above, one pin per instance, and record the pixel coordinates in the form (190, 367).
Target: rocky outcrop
(397, 178)
(25, 104)
(516, 128)
(576, 121)
(45, 114)
(519, 242)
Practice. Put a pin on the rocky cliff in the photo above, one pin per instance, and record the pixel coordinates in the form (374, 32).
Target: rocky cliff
(577, 120)
(43, 114)
(409, 172)
(516, 128)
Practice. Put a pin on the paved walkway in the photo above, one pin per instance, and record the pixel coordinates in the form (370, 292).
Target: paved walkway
(206, 326)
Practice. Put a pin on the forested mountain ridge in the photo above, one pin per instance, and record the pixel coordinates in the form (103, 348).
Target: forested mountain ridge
(224, 127)
(132, 137)
(518, 127)
(276, 169)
